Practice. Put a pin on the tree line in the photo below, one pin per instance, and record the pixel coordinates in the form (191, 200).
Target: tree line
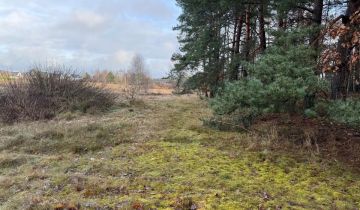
(285, 51)
(134, 81)
(137, 71)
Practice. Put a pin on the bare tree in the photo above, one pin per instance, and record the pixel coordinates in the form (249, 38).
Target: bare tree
(100, 76)
(137, 78)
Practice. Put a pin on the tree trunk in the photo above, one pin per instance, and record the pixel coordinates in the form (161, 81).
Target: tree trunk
(262, 27)
(234, 35)
(357, 77)
(239, 33)
(281, 23)
(216, 64)
(340, 82)
(318, 11)
(345, 52)
(239, 24)
(317, 19)
(247, 39)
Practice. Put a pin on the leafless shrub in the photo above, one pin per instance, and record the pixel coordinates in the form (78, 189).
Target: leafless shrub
(45, 92)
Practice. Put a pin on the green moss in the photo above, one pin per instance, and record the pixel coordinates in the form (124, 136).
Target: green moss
(247, 176)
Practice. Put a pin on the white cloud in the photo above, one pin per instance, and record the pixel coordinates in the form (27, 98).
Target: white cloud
(122, 56)
(89, 18)
(16, 19)
(87, 34)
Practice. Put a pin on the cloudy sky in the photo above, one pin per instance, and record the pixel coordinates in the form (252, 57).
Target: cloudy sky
(87, 34)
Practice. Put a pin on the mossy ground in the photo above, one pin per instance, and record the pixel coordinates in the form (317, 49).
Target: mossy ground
(158, 155)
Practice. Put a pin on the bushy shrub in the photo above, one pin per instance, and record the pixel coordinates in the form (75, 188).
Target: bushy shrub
(46, 91)
(244, 98)
(309, 113)
(345, 112)
(279, 81)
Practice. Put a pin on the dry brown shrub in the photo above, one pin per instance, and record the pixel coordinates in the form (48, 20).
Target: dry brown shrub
(45, 92)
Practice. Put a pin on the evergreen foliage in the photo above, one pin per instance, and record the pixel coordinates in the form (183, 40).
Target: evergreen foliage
(262, 56)
(279, 81)
(110, 77)
(345, 112)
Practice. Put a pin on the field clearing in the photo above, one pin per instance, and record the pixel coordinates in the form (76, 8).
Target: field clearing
(158, 155)
(154, 89)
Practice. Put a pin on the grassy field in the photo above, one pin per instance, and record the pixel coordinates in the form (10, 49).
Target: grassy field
(154, 89)
(158, 155)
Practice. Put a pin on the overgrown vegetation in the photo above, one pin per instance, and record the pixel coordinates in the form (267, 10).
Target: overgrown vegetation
(161, 157)
(271, 56)
(45, 92)
(345, 112)
(276, 62)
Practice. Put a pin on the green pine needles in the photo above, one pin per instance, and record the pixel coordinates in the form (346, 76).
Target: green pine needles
(281, 81)
(345, 112)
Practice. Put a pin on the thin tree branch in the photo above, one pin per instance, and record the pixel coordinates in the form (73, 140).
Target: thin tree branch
(305, 8)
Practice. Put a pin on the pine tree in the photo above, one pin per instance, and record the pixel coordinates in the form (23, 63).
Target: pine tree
(220, 38)
(110, 77)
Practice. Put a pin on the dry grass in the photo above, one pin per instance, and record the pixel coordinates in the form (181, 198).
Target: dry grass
(157, 155)
(154, 89)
